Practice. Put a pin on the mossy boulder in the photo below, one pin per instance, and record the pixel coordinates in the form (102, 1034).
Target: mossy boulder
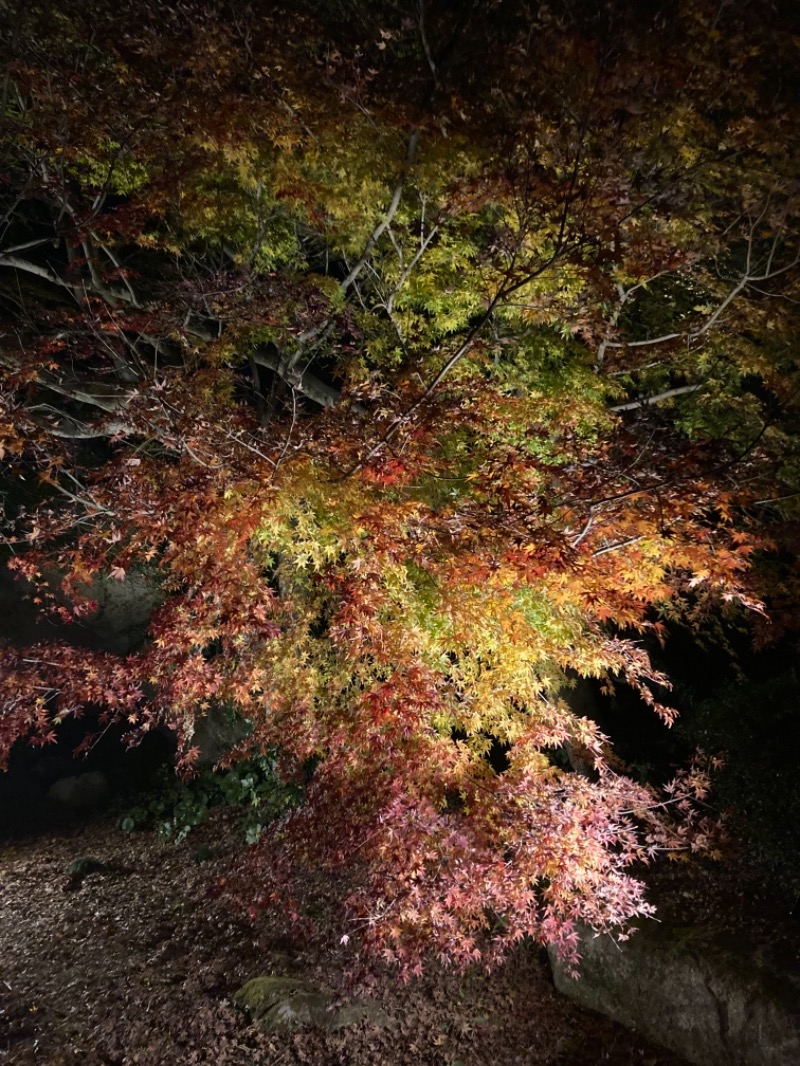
(287, 1003)
(85, 866)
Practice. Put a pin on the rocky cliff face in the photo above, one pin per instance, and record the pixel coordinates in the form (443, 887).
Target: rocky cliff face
(714, 999)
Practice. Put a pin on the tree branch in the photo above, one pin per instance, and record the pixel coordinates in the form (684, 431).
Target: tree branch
(372, 240)
(27, 267)
(306, 383)
(648, 401)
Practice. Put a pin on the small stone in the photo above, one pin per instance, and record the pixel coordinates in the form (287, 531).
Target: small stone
(85, 866)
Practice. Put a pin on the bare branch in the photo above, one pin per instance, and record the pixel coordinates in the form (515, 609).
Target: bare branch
(426, 45)
(648, 401)
(617, 547)
(306, 383)
(39, 271)
(692, 335)
(60, 424)
(291, 363)
(391, 211)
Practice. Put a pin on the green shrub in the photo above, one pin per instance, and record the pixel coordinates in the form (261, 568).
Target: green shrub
(177, 807)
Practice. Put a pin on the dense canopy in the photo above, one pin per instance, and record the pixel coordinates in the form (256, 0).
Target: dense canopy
(428, 357)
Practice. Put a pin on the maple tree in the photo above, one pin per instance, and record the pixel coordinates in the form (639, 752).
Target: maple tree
(427, 363)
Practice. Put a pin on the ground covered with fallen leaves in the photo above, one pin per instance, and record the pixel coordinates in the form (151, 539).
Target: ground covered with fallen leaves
(137, 963)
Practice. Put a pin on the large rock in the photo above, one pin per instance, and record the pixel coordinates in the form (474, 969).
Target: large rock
(286, 1003)
(714, 1000)
(121, 619)
(81, 792)
(219, 730)
(118, 623)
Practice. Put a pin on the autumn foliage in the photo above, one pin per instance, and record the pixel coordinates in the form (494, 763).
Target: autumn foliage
(426, 363)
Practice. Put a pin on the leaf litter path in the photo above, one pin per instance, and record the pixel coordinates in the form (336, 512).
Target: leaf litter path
(138, 964)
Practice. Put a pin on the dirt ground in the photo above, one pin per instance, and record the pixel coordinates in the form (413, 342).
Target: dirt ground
(137, 964)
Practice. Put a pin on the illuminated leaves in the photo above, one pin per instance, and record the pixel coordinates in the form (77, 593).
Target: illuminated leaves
(414, 412)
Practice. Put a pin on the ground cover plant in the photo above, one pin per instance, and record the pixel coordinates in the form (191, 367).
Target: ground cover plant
(173, 808)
